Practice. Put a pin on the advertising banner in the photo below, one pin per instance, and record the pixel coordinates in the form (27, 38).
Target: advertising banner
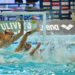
(55, 3)
(14, 25)
(46, 0)
(7, 1)
(65, 7)
(46, 3)
(58, 27)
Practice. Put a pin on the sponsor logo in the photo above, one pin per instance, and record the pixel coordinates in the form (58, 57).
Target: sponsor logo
(46, 3)
(67, 27)
(64, 3)
(55, 7)
(17, 26)
(55, 3)
(65, 7)
(50, 27)
(11, 25)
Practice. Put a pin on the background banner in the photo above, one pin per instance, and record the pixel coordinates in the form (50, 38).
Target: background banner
(14, 25)
(58, 27)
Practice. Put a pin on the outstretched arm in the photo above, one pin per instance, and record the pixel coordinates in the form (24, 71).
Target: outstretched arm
(16, 37)
(32, 31)
(22, 42)
(33, 50)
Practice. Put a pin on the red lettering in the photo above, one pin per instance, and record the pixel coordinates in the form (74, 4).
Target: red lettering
(46, 0)
(65, 7)
(55, 3)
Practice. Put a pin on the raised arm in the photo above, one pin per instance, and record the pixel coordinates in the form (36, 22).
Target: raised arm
(17, 36)
(32, 31)
(23, 41)
(33, 50)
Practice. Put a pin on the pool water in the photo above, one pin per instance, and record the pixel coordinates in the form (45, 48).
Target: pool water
(32, 68)
(56, 58)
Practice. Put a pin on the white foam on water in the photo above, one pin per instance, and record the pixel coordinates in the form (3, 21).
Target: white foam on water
(2, 60)
(57, 52)
(71, 57)
(13, 60)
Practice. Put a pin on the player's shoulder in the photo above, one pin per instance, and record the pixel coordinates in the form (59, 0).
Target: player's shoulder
(1, 34)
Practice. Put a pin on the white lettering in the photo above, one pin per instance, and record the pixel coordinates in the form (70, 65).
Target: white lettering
(11, 27)
(52, 27)
(3, 26)
(6, 24)
(19, 25)
(15, 25)
(56, 27)
(47, 27)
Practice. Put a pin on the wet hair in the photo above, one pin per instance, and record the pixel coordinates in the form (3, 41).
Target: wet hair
(29, 46)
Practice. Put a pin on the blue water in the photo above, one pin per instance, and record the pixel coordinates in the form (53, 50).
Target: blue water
(55, 58)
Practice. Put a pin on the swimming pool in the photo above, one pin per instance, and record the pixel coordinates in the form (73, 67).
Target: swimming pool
(56, 58)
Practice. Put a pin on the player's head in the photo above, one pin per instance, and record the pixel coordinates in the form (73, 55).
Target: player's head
(27, 46)
(9, 32)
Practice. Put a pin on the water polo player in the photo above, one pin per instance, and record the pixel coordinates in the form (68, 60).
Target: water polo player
(23, 45)
(8, 36)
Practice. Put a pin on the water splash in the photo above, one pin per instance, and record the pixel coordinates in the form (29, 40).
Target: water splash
(59, 50)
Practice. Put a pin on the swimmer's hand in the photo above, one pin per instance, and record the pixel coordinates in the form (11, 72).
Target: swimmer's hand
(38, 28)
(33, 50)
(38, 45)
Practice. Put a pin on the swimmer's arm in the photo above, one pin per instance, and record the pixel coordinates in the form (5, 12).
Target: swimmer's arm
(18, 49)
(32, 31)
(21, 44)
(21, 31)
(33, 50)
(23, 41)
(24, 38)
